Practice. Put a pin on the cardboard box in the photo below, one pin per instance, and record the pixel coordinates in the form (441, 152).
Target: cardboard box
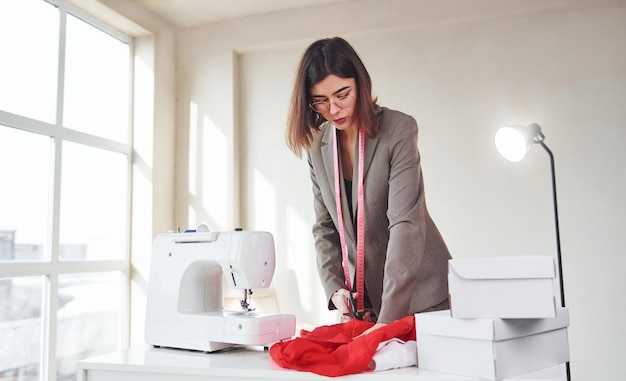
(490, 349)
(502, 287)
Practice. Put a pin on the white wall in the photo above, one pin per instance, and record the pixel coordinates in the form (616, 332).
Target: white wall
(462, 68)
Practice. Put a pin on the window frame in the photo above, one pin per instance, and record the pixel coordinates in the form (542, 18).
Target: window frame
(50, 267)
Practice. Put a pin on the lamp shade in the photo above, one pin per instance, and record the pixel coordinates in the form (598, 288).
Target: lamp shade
(514, 142)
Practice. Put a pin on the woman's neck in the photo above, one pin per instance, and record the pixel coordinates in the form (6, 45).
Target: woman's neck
(348, 136)
(347, 139)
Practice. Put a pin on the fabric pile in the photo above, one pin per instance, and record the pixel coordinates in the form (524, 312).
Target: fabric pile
(335, 350)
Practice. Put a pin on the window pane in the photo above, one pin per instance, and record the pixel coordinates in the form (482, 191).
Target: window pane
(29, 42)
(94, 192)
(88, 318)
(24, 194)
(20, 328)
(96, 82)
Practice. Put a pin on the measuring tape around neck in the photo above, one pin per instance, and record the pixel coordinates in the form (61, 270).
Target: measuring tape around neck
(360, 249)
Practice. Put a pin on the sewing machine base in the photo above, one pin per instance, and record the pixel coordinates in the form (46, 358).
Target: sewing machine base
(215, 331)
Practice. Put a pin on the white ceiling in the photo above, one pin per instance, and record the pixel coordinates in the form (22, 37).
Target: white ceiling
(190, 13)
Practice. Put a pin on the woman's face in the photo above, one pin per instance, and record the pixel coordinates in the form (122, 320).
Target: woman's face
(335, 99)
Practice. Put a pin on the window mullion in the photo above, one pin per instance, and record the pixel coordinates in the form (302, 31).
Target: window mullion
(50, 316)
(48, 362)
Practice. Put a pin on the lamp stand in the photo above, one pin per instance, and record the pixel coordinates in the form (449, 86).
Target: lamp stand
(558, 236)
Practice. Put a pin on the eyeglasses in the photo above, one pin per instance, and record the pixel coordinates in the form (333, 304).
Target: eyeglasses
(341, 101)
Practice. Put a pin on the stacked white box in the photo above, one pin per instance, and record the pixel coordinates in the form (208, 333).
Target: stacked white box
(502, 287)
(502, 323)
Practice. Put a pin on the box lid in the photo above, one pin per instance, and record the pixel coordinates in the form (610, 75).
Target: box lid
(440, 323)
(515, 267)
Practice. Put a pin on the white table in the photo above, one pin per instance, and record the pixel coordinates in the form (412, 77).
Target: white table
(243, 364)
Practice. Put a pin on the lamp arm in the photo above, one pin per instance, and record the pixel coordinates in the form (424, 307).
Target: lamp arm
(556, 222)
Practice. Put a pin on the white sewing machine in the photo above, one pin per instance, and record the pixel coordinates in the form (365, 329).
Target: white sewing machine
(185, 299)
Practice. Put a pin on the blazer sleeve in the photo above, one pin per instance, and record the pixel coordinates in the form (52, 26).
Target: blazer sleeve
(408, 267)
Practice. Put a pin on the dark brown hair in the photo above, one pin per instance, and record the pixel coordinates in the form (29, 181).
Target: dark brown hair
(322, 58)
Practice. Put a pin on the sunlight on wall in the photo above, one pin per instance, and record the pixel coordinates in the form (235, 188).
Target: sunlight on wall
(216, 192)
(264, 203)
(193, 163)
(297, 288)
(193, 149)
(209, 174)
(300, 258)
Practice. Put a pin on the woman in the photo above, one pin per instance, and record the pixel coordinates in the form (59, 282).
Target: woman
(380, 256)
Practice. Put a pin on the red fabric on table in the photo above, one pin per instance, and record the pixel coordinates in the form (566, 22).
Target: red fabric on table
(333, 350)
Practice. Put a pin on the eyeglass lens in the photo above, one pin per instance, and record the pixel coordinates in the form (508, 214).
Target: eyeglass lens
(341, 102)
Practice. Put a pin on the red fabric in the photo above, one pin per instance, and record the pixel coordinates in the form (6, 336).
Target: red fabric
(332, 350)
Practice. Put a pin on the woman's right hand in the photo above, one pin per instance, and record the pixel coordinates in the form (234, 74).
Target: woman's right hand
(341, 300)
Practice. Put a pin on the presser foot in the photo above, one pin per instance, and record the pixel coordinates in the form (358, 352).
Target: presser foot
(245, 306)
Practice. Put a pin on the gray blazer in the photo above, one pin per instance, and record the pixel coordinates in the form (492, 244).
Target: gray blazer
(406, 258)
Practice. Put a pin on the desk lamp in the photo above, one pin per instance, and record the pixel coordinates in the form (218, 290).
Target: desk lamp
(514, 143)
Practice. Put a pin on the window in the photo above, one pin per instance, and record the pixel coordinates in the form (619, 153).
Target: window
(65, 160)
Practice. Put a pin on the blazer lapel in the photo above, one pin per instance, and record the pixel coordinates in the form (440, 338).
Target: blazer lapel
(327, 156)
(370, 147)
(327, 143)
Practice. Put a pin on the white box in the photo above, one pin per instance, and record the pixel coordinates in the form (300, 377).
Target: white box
(490, 348)
(502, 287)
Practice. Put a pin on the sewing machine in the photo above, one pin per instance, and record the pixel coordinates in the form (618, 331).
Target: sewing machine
(185, 296)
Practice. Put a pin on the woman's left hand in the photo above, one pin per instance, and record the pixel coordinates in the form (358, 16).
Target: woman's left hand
(372, 328)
